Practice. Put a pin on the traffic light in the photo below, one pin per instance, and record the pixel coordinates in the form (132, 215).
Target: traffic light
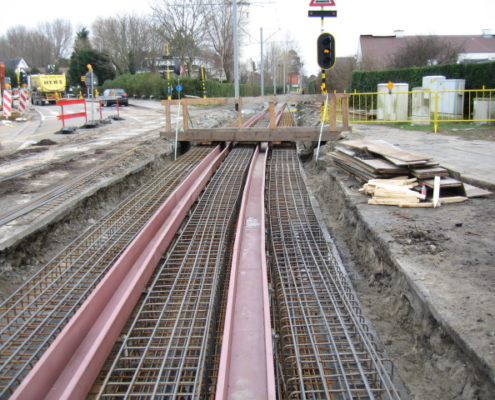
(178, 69)
(24, 78)
(162, 74)
(326, 50)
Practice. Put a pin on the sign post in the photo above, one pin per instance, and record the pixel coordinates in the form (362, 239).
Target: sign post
(91, 80)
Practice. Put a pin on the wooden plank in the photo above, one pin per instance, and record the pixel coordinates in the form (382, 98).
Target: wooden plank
(196, 101)
(290, 98)
(287, 134)
(384, 150)
(416, 205)
(444, 182)
(473, 191)
(392, 202)
(425, 173)
(436, 191)
(452, 199)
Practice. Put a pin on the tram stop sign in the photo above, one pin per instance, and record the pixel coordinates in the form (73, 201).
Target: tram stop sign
(91, 79)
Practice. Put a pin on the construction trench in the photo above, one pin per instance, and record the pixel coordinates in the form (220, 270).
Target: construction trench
(306, 288)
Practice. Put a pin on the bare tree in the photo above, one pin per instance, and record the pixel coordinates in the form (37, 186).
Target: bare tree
(129, 40)
(421, 51)
(219, 28)
(340, 76)
(41, 49)
(182, 24)
(60, 33)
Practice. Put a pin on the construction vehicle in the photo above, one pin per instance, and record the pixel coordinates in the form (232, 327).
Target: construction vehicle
(46, 89)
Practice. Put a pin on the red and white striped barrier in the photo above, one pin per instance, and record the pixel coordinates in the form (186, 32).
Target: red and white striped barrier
(22, 100)
(7, 103)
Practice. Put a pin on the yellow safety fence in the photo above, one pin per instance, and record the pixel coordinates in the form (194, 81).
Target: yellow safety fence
(421, 107)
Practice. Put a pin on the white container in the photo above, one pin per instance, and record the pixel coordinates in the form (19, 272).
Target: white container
(450, 95)
(483, 111)
(393, 104)
(420, 106)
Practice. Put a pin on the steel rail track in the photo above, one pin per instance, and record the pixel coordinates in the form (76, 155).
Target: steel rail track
(246, 364)
(325, 349)
(168, 351)
(33, 316)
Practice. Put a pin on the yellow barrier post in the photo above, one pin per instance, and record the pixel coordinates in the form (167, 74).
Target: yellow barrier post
(435, 113)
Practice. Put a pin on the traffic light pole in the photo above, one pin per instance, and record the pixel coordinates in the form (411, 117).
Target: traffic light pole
(169, 90)
(323, 73)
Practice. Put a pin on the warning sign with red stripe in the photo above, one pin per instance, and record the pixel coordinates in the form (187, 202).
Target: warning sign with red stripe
(321, 3)
(7, 103)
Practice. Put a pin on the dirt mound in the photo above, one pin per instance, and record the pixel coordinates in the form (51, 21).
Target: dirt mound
(45, 142)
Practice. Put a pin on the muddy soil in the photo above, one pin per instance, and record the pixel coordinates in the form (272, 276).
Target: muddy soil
(447, 254)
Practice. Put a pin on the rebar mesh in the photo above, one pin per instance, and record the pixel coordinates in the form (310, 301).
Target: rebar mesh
(33, 316)
(325, 350)
(169, 350)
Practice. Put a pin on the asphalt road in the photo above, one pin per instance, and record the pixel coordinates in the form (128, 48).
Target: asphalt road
(43, 123)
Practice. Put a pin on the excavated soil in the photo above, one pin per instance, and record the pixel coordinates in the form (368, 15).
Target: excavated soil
(426, 279)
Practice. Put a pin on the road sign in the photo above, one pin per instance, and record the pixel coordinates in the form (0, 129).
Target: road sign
(322, 13)
(321, 3)
(178, 88)
(91, 79)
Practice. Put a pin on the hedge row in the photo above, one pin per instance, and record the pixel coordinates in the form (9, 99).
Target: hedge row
(151, 84)
(476, 76)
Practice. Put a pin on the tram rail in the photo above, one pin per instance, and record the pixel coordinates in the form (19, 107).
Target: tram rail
(34, 315)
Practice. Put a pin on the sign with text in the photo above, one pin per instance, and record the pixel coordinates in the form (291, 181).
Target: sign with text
(321, 3)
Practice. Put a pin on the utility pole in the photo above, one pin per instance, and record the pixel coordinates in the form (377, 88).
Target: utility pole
(262, 66)
(236, 61)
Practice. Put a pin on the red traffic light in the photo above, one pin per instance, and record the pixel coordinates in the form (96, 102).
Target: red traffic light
(326, 50)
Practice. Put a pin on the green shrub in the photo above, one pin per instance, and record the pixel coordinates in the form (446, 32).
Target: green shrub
(476, 76)
(151, 84)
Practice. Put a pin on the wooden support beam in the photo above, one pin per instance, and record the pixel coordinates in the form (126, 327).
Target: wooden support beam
(185, 117)
(273, 125)
(198, 101)
(286, 134)
(332, 111)
(239, 114)
(345, 114)
(168, 119)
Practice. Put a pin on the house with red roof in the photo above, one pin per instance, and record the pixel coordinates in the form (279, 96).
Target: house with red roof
(375, 52)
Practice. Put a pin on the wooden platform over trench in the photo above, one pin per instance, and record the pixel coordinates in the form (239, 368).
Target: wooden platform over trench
(273, 133)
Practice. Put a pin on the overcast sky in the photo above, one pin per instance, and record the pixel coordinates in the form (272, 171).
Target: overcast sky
(355, 17)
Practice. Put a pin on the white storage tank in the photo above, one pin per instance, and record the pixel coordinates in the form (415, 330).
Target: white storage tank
(450, 94)
(393, 104)
(483, 111)
(451, 102)
(420, 106)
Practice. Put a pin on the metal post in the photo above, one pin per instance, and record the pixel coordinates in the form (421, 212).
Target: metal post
(262, 66)
(285, 79)
(274, 73)
(236, 61)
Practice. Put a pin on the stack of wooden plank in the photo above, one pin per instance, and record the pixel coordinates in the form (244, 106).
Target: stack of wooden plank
(397, 191)
(381, 160)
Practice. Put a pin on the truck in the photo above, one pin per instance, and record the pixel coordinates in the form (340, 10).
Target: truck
(46, 89)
